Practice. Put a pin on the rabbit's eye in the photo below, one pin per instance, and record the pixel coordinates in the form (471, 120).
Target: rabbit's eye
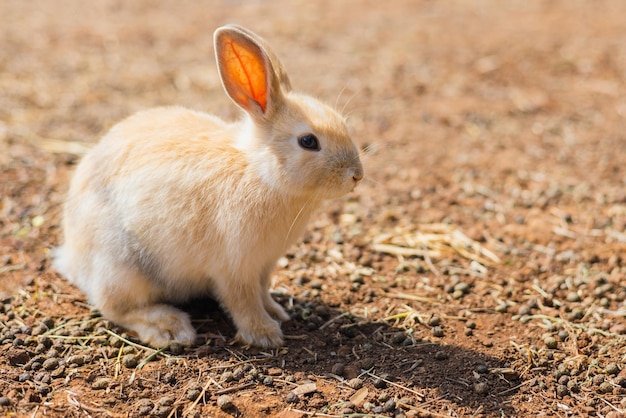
(309, 142)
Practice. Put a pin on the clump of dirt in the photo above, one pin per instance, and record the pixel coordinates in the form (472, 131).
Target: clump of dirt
(478, 271)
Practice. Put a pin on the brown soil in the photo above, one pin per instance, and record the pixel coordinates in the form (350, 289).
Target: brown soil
(478, 271)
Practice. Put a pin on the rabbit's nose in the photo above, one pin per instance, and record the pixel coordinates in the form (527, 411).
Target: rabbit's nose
(357, 175)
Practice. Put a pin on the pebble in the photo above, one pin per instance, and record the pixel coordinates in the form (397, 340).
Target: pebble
(176, 349)
(225, 402)
(379, 383)
(17, 356)
(51, 364)
(76, 360)
(561, 390)
(292, 398)
(482, 369)
(4, 401)
(437, 331)
(193, 394)
(550, 342)
(573, 297)
(398, 338)
(23, 377)
(434, 321)
(502, 308)
(268, 381)
(355, 383)
(130, 361)
(606, 387)
(612, 369)
(228, 376)
(101, 383)
(441, 355)
(573, 386)
(338, 369)
(389, 406)
(316, 284)
(481, 388)
(162, 411)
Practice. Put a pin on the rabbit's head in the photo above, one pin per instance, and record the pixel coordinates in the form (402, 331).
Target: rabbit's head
(298, 145)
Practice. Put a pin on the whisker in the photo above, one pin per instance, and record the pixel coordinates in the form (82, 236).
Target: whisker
(340, 94)
(293, 223)
(343, 109)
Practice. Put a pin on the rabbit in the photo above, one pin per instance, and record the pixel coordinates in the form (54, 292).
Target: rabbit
(173, 203)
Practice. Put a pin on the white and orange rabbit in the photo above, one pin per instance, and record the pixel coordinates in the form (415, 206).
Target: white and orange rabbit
(172, 203)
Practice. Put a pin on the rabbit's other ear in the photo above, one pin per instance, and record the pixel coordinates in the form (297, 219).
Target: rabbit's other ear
(250, 73)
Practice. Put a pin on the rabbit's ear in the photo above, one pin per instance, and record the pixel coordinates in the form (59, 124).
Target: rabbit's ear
(250, 73)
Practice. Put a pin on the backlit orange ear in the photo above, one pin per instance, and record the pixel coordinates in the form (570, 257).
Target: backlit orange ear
(244, 71)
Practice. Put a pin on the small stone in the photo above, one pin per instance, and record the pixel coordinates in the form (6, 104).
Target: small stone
(144, 407)
(573, 297)
(228, 376)
(51, 364)
(225, 402)
(606, 387)
(76, 360)
(292, 398)
(398, 338)
(355, 383)
(481, 388)
(17, 356)
(441, 355)
(470, 324)
(482, 369)
(612, 369)
(383, 397)
(101, 383)
(48, 323)
(338, 369)
(176, 349)
(468, 332)
(389, 406)
(316, 284)
(268, 381)
(502, 308)
(550, 342)
(379, 383)
(4, 401)
(162, 411)
(437, 331)
(43, 389)
(561, 390)
(274, 371)
(23, 377)
(193, 394)
(620, 381)
(434, 321)
(130, 361)
(573, 386)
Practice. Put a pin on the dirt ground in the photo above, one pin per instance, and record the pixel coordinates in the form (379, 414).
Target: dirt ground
(478, 270)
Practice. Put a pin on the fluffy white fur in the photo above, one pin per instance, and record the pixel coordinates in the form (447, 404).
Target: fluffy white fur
(172, 204)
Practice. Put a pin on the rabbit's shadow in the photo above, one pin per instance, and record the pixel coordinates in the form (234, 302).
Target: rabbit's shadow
(325, 341)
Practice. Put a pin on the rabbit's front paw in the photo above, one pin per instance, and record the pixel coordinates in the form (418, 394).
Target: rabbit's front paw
(160, 325)
(265, 335)
(274, 308)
